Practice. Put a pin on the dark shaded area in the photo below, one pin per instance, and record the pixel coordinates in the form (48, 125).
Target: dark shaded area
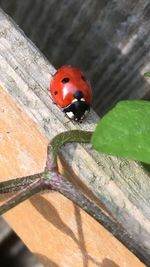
(146, 167)
(13, 253)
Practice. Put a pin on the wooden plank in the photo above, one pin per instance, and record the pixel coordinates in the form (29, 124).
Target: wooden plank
(56, 231)
(120, 185)
(23, 148)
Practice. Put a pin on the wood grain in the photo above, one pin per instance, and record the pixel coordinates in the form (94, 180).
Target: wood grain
(122, 186)
(55, 230)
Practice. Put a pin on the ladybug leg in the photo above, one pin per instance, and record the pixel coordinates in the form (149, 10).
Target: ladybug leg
(67, 109)
(84, 115)
(68, 112)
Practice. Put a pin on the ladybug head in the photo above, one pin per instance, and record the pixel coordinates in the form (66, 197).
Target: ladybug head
(78, 109)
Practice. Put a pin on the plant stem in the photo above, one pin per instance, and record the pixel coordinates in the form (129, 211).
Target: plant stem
(18, 183)
(35, 187)
(63, 186)
(61, 139)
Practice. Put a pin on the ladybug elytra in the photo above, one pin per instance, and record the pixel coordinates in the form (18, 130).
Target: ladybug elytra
(71, 91)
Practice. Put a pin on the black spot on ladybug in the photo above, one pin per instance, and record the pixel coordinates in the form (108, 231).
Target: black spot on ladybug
(65, 80)
(56, 92)
(83, 78)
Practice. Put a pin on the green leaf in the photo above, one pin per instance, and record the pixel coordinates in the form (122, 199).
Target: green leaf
(147, 74)
(125, 131)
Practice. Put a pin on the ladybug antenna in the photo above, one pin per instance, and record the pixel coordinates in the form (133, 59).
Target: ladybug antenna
(78, 95)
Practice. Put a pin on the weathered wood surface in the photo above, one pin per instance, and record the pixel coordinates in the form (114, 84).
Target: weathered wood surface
(107, 38)
(120, 185)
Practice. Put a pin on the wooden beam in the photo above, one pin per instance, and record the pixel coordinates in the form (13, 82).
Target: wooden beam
(121, 186)
(54, 229)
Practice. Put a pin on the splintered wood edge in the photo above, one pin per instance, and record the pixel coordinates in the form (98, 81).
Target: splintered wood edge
(122, 186)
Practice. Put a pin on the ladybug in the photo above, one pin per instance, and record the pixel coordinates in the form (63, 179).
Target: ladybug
(71, 91)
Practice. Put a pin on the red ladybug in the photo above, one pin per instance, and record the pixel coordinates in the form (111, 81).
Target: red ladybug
(71, 91)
